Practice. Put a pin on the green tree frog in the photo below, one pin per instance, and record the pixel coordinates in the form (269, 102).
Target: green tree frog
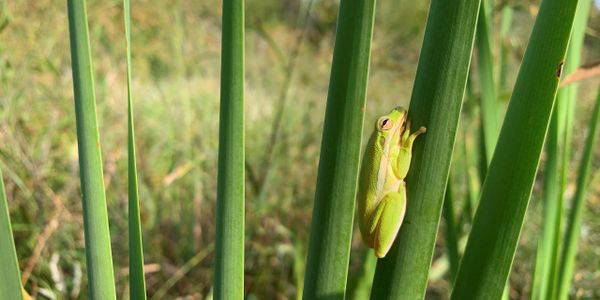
(382, 191)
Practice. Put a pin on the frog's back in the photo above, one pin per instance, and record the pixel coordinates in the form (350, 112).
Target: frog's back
(367, 181)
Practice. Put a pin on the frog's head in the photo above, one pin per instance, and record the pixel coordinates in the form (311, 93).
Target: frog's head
(391, 126)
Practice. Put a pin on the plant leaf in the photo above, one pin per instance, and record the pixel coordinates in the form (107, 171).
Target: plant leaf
(436, 103)
(101, 281)
(493, 240)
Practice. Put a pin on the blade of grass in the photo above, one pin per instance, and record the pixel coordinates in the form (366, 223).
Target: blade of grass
(229, 260)
(450, 233)
(489, 107)
(493, 240)
(472, 169)
(299, 264)
(543, 258)
(95, 217)
(560, 132)
(137, 281)
(333, 213)
(10, 277)
(361, 288)
(436, 103)
(567, 262)
(568, 95)
(505, 25)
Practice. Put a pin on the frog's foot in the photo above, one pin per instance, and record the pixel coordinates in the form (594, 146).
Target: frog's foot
(387, 219)
(410, 139)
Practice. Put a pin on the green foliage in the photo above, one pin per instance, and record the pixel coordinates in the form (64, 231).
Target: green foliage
(97, 237)
(551, 212)
(492, 243)
(176, 57)
(10, 277)
(451, 228)
(229, 261)
(137, 281)
(570, 242)
(488, 105)
(545, 279)
(361, 287)
(333, 212)
(436, 102)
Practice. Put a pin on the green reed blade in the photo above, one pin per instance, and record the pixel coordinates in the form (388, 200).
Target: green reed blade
(229, 260)
(545, 279)
(436, 103)
(489, 107)
(333, 213)
(137, 281)
(10, 276)
(450, 232)
(507, 188)
(567, 262)
(101, 282)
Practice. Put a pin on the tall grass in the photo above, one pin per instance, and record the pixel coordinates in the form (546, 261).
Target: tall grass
(10, 276)
(137, 281)
(97, 237)
(229, 260)
(506, 21)
(451, 231)
(570, 242)
(492, 243)
(333, 212)
(453, 29)
(557, 167)
(489, 107)
(435, 103)
(568, 96)
(548, 240)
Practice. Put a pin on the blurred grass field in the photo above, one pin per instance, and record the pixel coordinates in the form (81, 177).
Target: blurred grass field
(176, 55)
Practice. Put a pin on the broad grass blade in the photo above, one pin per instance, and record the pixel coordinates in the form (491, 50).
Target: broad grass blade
(10, 276)
(487, 89)
(229, 260)
(567, 262)
(101, 283)
(545, 278)
(137, 282)
(436, 103)
(333, 213)
(493, 240)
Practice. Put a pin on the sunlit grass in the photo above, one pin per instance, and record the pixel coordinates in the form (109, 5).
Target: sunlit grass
(436, 104)
(509, 181)
(229, 260)
(176, 91)
(10, 277)
(333, 212)
(546, 274)
(101, 281)
(137, 280)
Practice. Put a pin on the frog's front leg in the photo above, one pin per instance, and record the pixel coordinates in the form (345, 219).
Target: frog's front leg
(402, 163)
(386, 220)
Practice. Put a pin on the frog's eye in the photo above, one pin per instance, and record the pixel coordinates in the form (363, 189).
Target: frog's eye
(385, 123)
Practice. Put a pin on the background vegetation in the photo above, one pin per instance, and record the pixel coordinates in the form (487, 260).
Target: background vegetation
(175, 69)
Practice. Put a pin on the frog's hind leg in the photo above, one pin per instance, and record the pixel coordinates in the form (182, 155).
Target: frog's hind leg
(387, 220)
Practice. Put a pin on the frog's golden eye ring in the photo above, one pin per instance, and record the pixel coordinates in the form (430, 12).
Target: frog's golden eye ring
(385, 123)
